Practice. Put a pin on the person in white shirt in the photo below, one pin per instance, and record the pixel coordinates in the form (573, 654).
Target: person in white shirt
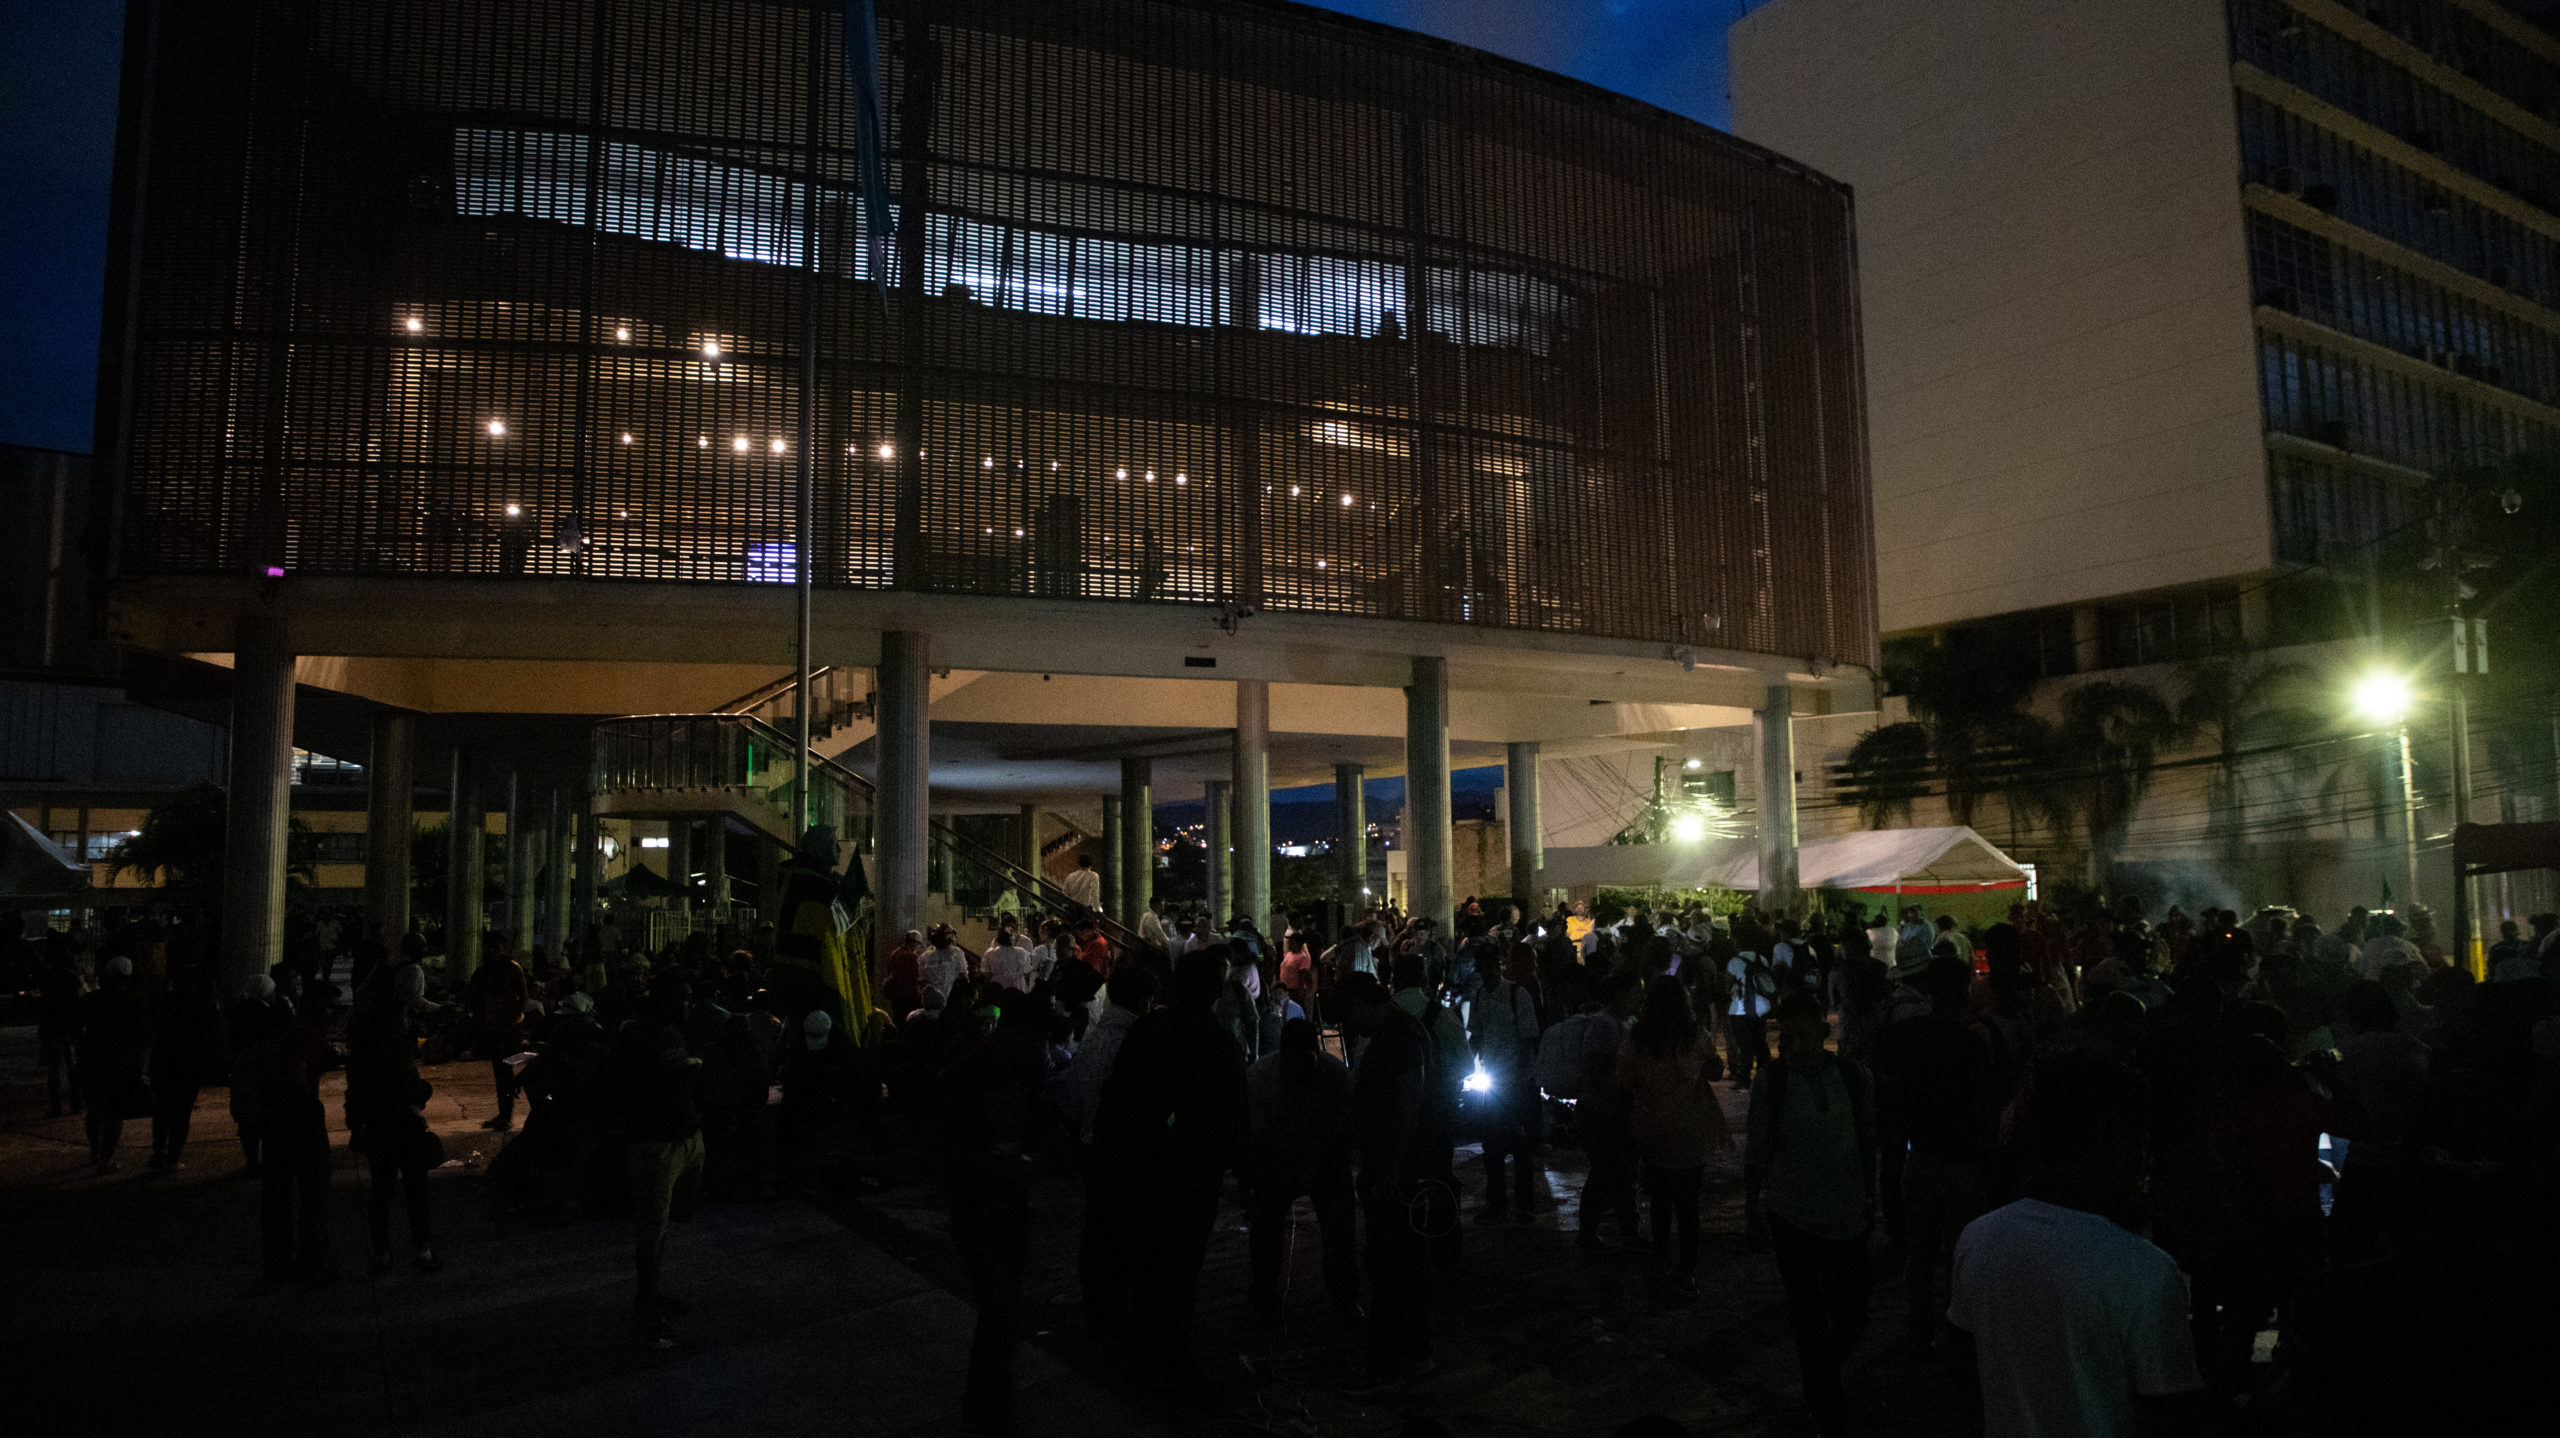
(1151, 923)
(2075, 1326)
(1746, 1023)
(2386, 949)
(1007, 963)
(943, 967)
(1085, 884)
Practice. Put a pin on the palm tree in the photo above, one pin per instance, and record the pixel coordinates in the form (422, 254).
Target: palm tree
(1970, 735)
(2102, 757)
(180, 846)
(2246, 704)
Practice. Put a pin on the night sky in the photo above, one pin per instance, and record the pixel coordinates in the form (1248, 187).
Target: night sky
(58, 70)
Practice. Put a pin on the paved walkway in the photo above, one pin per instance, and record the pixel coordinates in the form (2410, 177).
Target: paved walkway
(137, 1307)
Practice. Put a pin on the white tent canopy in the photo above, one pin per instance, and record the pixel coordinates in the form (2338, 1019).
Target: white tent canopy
(1879, 859)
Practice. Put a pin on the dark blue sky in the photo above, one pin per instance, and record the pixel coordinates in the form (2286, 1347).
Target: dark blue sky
(58, 70)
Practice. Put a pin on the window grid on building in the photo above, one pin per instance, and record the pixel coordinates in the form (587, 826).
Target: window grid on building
(1188, 301)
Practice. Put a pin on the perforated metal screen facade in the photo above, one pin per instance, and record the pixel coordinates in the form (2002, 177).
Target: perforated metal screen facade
(1187, 301)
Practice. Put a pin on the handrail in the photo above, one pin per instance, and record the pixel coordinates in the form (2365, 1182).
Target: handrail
(727, 770)
(755, 699)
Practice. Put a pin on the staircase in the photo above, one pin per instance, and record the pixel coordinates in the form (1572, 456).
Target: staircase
(739, 765)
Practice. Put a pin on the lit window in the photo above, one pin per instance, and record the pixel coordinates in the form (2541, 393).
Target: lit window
(739, 444)
(772, 563)
(497, 427)
(779, 446)
(416, 325)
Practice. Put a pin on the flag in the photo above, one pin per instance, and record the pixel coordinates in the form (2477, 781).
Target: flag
(870, 136)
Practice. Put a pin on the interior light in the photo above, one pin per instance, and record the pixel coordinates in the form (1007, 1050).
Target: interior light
(711, 349)
(1182, 479)
(779, 446)
(497, 426)
(1693, 764)
(515, 511)
(1689, 828)
(1346, 501)
(622, 333)
(416, 325)
(1053, 464)
(626, 437)
(1151, 476)
(739, 444)
(888, 451)
(1319, 564)
(988, 463)
(1293, 491)
(1017, 534)
(702, 442)
(1119, 474)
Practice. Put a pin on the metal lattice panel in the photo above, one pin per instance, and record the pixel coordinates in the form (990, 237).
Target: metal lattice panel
(1188, 301)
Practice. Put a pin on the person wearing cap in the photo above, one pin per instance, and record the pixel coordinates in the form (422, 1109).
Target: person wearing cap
(904, 984)
(257, 1020)
(115, 1046)
(942, 968)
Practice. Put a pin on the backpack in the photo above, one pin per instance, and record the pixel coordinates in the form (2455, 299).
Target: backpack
(1763, 979)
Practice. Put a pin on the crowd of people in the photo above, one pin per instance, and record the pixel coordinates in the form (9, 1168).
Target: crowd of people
(2106, 1159)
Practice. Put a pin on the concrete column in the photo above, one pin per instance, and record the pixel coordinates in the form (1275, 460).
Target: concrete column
(906, 764)
(1029, 858)
(1528, 846)
(715, 872)
(522, 830)
(680, 861)
(1350, 837)
(1429, 882)
(1218, 809)
(559, 851)
(1773, 733)
(1253, 801)
(1112, 852)
(260, 802)
(585, 868)
(1137, 839)
(389, 783)
(466, 859)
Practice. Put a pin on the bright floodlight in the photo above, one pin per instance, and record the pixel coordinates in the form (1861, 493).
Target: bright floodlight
(2383, 697)
(1693, 764)
(1689, 828)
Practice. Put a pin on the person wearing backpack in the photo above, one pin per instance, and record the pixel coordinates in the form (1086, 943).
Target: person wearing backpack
(1808, 1182)
(1753, 987)
(1502, 1028)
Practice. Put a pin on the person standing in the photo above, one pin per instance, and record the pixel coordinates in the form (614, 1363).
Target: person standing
(1675, 1121)
(943, 968)
(662, 1152)
(989, 1089)
(495, 999)
(902, 980)
(1750, 992)
(188, 1051)
(1808, 1187)
(260, 1020)
(58, 1027)
(1502, 1028)
(1298, 1115)
(386, 1119)
(1389, 1083)
(293, 1158)
(1171, 1125)
(2071, 1322)
(115, 1056)
(1008, 965)
(1933, 1073)
(1084, 886)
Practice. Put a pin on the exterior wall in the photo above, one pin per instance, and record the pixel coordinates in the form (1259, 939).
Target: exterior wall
(1188, 302)
(2061, 365)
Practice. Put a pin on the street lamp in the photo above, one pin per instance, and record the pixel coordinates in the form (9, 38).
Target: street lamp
(2384, 699)
(1689, 828)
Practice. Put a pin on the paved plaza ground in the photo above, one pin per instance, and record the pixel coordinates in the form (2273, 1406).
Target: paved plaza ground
(136, 1306)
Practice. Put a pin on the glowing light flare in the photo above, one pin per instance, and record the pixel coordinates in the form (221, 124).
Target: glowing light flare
(2383, 697)
(497, 429)
(416, 325)
(1689, 828)
(1479, 1081)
